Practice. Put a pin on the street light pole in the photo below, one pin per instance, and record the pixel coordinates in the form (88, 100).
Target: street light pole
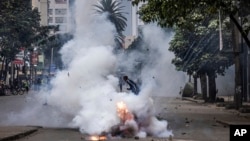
(51, 60)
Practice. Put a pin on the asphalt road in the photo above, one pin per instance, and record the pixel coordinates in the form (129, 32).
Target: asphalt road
(193, 121)
(187, 120)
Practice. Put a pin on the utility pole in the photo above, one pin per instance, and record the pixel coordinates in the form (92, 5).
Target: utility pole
(12, 73)
(195, 83)
(51, 60)
(248, 74)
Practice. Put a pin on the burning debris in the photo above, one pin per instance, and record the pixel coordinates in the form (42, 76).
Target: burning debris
(137, 125)
(125, 120)
(123, 112)
(127, 126)
(95, 138)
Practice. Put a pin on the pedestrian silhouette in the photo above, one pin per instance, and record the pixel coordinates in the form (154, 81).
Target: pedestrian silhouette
(132, 85)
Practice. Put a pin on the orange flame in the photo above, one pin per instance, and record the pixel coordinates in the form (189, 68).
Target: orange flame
(96, 138)
(123, 112)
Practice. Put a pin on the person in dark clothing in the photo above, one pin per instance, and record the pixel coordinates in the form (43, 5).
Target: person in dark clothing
(26, 85)
(133, 87)
(121, 83)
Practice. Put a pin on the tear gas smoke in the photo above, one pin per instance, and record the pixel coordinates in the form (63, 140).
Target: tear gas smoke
(225, 84)
(85, 93)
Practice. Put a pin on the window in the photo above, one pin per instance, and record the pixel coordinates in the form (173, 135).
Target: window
(60, 19)
(50, 11)
(61, 1)
(50, 20)
(60, 11)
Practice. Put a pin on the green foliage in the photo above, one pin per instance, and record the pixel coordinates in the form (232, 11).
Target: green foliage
(19, 27)
(187, 14)
(115, 15)
(196, 42)
(198, 51)
(114, 10)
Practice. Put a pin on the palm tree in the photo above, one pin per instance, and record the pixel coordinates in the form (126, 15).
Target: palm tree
(115, 15)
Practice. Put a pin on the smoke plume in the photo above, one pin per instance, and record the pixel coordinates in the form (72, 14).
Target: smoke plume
(85, 93)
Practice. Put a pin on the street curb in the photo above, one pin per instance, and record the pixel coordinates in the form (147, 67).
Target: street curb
(228, 123)
(191, 99)
(18, 136)
(223, 123)
(184, 98)
(218, 121)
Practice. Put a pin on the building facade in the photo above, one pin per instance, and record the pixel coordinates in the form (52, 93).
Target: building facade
(133, 21)
(58, 12)
(42, 6)
(54, 12)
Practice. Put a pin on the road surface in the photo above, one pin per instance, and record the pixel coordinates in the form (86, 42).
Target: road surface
(188, 120)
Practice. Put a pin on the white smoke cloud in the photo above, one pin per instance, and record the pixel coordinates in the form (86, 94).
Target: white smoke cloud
(225, 84)
(163, 71)
(85, 93)
(89, 92)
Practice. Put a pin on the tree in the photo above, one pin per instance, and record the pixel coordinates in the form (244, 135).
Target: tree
(197, 52)
(177, 12)
(115, 15)
(19, 28)
(16, 30)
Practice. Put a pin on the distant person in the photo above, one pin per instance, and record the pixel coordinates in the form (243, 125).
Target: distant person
(26, 85)
(38, 83)
(121, 83)
(132, 85)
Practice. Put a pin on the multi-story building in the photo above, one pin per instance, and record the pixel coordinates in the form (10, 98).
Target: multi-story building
(136, 21)
(54, 12)
(133, 21)
(59, 14)
(42, 6)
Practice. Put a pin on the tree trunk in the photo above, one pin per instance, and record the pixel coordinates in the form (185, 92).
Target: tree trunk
(195, 85)
(212, 86)
(248, 73)
(203, 80)
(240, 29)
(244, 74)
(2, 68)
(6, 69)
(238, 71)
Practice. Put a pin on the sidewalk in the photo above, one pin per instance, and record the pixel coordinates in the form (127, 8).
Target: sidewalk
(243, 118)
(8, 133)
